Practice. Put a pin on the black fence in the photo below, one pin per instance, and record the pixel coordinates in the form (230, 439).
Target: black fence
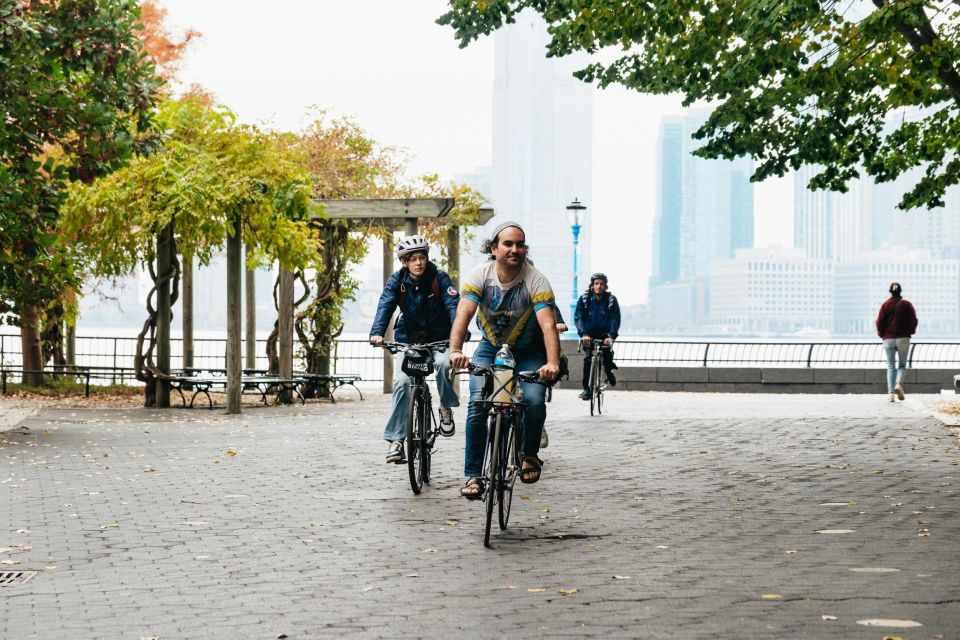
(823, 355)
(358, 357)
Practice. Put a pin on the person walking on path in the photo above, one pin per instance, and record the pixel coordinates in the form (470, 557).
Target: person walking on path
(896, 322)
(514, 304)
(428, 304)
(597, 317)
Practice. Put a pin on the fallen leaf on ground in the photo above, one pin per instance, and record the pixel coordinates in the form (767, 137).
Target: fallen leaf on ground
(835, 531)
(883, 622)
(230, 453)
(431, 550)
(452, 523)
(771, 596)
(567, 592)
(112, 525)
(537, 590)
(9, 562)
(828, 617)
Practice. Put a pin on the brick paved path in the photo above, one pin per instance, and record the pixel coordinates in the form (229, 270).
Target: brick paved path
(672, 516)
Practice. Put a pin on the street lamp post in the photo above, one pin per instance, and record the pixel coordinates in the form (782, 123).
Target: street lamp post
(575, 213)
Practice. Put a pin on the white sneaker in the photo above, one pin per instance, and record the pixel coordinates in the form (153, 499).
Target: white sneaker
(395, 453)
(447, 427)
(544, 440)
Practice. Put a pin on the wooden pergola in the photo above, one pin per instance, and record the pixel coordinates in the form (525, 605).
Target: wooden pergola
(390, 213)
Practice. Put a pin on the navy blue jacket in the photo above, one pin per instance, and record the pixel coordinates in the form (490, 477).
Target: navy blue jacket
(595, 317)
(425, 317)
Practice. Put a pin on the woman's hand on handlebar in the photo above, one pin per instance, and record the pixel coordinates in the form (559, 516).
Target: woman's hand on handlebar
(549, 372)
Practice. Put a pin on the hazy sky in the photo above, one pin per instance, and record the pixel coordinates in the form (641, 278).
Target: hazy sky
(387, 65)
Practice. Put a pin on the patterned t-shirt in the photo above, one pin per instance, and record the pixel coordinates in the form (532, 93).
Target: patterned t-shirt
(507, 312)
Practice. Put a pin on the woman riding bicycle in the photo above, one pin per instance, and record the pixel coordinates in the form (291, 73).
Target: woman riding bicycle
(597, 317)
(511, 299)
(428, 304)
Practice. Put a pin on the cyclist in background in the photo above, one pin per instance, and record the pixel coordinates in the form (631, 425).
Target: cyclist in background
(428, 304)
(597, 317)
(512, 300)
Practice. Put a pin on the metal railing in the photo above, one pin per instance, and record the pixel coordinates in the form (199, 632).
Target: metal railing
(824, 355)
(358, 357)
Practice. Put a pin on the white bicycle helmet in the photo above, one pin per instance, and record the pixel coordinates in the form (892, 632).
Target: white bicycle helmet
(412, 244)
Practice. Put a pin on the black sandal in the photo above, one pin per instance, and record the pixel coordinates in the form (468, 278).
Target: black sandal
(472, 482)
(536, 465)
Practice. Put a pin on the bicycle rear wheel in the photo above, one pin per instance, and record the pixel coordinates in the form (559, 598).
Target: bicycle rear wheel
(414, 440)
(491, 473)
(510, 467)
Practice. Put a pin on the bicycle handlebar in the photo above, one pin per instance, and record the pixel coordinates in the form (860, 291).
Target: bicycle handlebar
(476, 370)
(396, 347)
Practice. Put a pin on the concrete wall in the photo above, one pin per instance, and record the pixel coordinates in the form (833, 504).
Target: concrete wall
(762, 380)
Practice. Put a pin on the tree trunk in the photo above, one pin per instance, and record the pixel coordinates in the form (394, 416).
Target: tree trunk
(234, 319)
(164, 312)
(187, 312)
(30, 346)
(285, 327)
(250, 309)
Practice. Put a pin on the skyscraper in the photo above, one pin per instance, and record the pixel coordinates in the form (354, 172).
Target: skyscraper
(666, 228)
(704, 213)
(542, 148)
(812, 216)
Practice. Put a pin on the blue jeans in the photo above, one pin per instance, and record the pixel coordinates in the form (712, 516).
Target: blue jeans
(533, 396)
(397, 423)
(892, 347)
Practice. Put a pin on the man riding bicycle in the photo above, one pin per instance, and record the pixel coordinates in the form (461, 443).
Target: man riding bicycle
(512, 300)
(428, 304)
(597, 317)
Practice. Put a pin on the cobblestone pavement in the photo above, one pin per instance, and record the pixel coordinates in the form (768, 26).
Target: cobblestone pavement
(671, 516)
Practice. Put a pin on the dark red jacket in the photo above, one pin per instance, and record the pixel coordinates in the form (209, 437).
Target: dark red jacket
(897, 319)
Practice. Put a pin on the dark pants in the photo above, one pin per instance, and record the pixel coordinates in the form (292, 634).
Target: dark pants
(606, 354)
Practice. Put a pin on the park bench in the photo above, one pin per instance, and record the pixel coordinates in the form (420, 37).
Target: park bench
(257, 382)
(84, 373)
(329, 383)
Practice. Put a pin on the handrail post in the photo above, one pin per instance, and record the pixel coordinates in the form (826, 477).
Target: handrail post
(810, 354)
(706, 351)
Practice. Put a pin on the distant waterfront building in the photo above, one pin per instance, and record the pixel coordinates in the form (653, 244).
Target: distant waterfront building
(771, 290)
(812, 216)
(666, 226)
(704, 213)
(542, 148)
(931, 284)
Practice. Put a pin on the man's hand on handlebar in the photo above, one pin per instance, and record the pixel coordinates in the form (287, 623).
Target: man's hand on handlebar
(549, 372)
(608, 342)
(375, 340)
(585, 340)
(459, 360)
(561, 328)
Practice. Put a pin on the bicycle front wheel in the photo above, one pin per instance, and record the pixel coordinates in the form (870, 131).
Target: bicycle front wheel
(510, 467)
(427, 436)
(594, 383)
(492, 473)
(414, 440)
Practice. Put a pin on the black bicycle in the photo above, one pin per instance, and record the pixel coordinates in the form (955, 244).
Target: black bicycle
(422, 424)
(597, 381)
(503, 454)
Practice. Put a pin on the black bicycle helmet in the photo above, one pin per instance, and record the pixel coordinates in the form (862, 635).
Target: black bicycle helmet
(599, 276)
